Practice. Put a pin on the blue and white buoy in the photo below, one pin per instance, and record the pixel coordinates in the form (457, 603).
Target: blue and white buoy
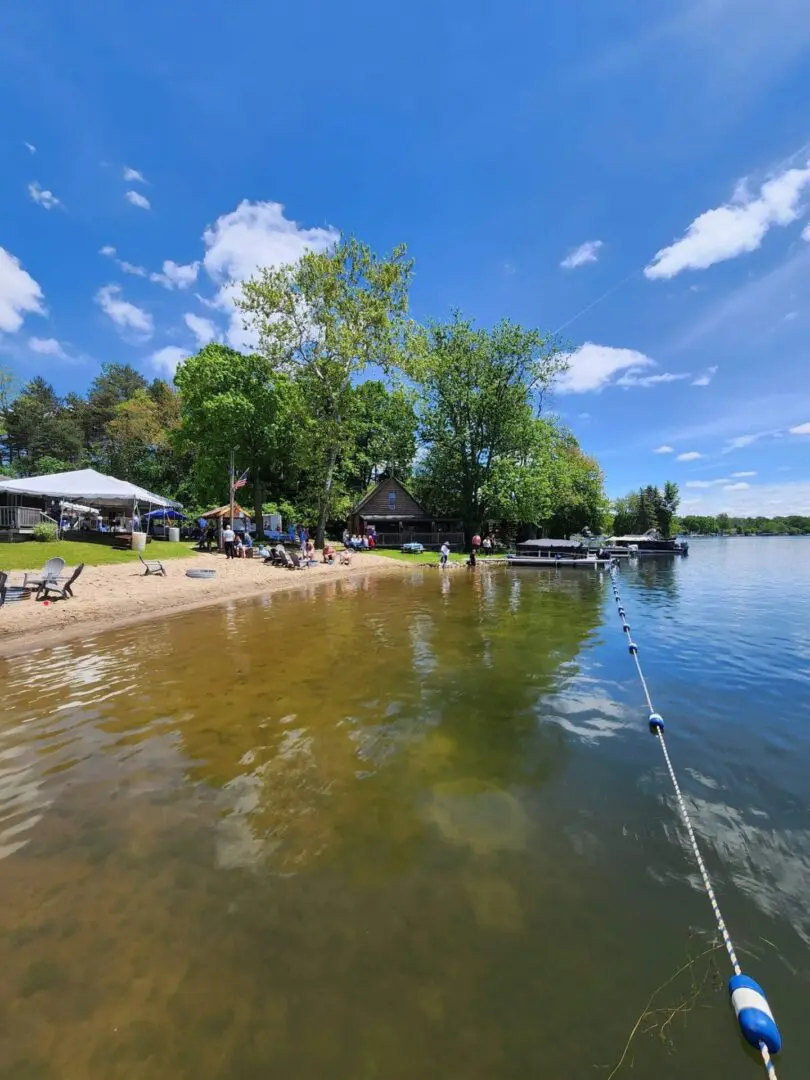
(754, 1013)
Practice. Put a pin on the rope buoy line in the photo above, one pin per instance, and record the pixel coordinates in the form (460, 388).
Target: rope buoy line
(748, 999)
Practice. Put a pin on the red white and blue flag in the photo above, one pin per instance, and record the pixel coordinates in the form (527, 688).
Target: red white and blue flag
(240, 483)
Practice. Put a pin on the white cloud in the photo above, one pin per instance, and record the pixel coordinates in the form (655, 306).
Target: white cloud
(706, 377)
(47, 347)
(30, 147)
(132, 176)
(739, 475)
(125, 315)
(690, 455)
(800, 429)
(251, 236)
(136, 199)
(20, 295)
(585, 253)
(591, 367)
(806, 233)
(632, 378)
(131, 268)
(769, 499)
(735, 228)
(664, 449)
(175, 276)
(127, 267)
(707, 483)
(741, 486)
(583, 416)
(42, 196)
(203, 329)
(741, 441)
(166, 360)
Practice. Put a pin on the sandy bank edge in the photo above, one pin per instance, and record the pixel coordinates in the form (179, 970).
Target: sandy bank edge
(16, 642)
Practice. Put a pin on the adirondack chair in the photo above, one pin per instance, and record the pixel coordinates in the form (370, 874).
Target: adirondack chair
(3, 580)
(295, 563)
(62, 592)
(153, 566)
(51, 571)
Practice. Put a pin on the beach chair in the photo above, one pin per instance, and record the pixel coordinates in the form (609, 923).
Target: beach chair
(3, 580)
(51, 571)
(153, 566)
(295, 562)
(62, 592)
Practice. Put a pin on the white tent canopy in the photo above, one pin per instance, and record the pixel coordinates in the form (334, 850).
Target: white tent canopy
(84, 485)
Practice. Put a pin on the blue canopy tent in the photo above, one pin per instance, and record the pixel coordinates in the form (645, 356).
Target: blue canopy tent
(172, 515)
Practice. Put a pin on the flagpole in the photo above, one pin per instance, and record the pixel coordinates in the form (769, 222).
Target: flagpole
(232, 474)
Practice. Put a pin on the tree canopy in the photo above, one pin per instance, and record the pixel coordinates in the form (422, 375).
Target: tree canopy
(648, 508)
(325, 320)
(341, 390)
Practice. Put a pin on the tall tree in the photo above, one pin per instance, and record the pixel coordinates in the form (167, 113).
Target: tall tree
(477, 390)
(383, 434)
(325, 319)
(232, 401)
(38, 425)
(647, 508)
(6, 395)
(115, 384)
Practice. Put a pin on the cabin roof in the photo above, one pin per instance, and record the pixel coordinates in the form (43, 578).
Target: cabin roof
(370, 494)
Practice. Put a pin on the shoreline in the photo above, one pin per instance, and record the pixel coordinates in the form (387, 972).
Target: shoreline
(115, 596)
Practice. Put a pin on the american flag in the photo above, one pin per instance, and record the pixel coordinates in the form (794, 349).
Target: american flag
(240, 483)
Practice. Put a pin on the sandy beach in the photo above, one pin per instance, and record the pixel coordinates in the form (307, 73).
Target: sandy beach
(110, 596)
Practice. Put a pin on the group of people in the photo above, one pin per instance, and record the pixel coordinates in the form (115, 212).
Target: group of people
(366, 542)
(485, 546)
(236, 544)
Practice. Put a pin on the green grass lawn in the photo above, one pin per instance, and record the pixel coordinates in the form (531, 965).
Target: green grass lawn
(32, 555)
(417, 560)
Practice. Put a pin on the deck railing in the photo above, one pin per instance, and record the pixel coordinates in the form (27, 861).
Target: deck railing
(22, 517)
(427, 539)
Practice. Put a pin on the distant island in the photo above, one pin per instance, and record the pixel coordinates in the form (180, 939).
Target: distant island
(725, 525)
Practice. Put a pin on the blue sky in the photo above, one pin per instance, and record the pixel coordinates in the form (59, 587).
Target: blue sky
(636, 175)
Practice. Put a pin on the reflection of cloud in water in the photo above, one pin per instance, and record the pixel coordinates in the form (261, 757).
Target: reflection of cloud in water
(772, 868)
(22, 798)
(514, 594)
(585, 709)
(420, 631)
(479, 815)
(272, 810)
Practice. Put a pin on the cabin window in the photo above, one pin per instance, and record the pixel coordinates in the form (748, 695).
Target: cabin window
(392, 500)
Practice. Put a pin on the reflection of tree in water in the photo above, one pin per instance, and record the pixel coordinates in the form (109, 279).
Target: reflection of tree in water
(357, 731)
(655, 577)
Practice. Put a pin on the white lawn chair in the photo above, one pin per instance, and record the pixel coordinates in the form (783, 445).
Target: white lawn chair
(51, 571)
(153, 566)
(63, 592)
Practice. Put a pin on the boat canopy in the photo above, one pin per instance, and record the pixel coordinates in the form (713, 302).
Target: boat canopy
(552, 545)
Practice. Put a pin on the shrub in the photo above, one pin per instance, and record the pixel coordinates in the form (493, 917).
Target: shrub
(46, 530)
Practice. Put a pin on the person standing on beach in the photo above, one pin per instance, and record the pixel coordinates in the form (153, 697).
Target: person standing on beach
(487, 545)
(228, 537)
(445, 553)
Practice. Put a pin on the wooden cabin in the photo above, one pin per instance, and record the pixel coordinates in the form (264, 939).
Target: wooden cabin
(398, 518)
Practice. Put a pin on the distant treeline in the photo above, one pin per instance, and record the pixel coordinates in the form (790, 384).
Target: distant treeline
(792, 525)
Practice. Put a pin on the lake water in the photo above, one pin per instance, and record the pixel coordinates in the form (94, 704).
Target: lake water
(412, 827)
